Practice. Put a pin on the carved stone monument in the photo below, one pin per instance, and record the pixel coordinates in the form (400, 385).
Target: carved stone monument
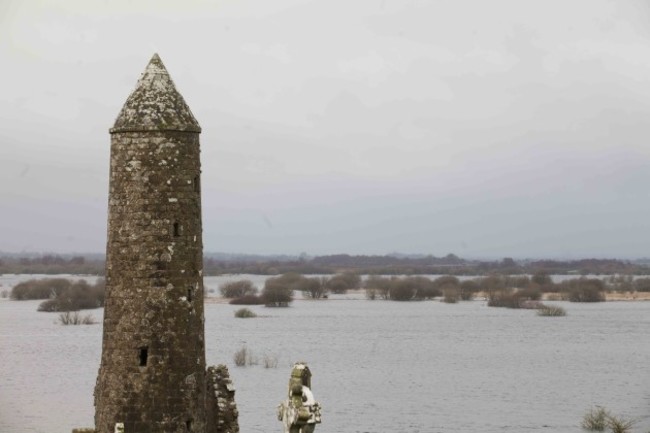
(299, 413)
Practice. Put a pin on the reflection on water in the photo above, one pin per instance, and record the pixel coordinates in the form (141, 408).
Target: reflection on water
(378, 366)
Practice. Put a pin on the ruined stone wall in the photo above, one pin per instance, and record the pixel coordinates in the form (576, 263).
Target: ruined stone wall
(152, 372)
(221, 411)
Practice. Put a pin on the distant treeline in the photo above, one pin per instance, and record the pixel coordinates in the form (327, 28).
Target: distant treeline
(220, 263)
(52, 264)
(447, 265)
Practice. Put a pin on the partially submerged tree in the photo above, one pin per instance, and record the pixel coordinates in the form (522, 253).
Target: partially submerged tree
(277, 293)
(341, 283)
(314, 288)
(237, 289)
(377, 287)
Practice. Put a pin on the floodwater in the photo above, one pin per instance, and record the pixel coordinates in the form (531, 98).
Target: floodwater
(378, 366)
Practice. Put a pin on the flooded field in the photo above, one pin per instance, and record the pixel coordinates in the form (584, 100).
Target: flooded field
(378, 366)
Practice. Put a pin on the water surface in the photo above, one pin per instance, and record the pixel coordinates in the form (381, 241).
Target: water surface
(378, 366)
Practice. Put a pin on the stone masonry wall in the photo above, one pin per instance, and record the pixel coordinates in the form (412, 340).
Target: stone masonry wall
(222, 414)
(152, 372)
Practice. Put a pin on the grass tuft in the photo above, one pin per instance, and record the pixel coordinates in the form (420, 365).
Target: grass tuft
(244, 357)
(595, 419)
(619, 424)
(551, 311)
(599, 419)
(240, 356)
(75, 318)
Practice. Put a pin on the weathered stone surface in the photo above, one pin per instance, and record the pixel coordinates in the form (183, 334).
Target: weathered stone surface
(152, 371)
(299, 413)
(155, 104)
(222, 414)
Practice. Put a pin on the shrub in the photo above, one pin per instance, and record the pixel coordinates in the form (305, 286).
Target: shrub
(291, 280)
(491, 284)
(75, 318)
(595, 419)
(425, 288)
(237, 289)
(503, 298)
(78, 296)
(248, 300)
(39, 289)
(550, 311)
(278, 291)
(511, 298)
(444, 282)
(467, 289)
(451, 295)
(314, 288)
(379, 287)
(401, 290)
(244, 313)
(584, 290)
(341, 283)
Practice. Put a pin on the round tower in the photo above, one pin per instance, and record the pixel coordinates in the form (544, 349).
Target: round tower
(152, 372)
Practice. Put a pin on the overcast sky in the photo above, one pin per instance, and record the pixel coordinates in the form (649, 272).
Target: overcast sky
(480, 128)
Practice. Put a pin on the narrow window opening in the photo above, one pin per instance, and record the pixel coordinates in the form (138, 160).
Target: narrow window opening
(189, 295)
(188, 425)
(197, 185)
(177, 230)
(143, 355)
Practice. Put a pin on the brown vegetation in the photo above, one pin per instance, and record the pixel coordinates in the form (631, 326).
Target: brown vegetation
(341, 283)
(61, 294)
(237, 289)
(278, 291)
(52, 264)
(244, 313)
(248, 300)
(75, 318)
(216, 264)
(405, 288)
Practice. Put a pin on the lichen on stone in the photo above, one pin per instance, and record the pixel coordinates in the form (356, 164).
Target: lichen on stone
(155, 104)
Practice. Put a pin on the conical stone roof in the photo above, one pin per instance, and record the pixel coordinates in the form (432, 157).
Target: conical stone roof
(155, 104)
